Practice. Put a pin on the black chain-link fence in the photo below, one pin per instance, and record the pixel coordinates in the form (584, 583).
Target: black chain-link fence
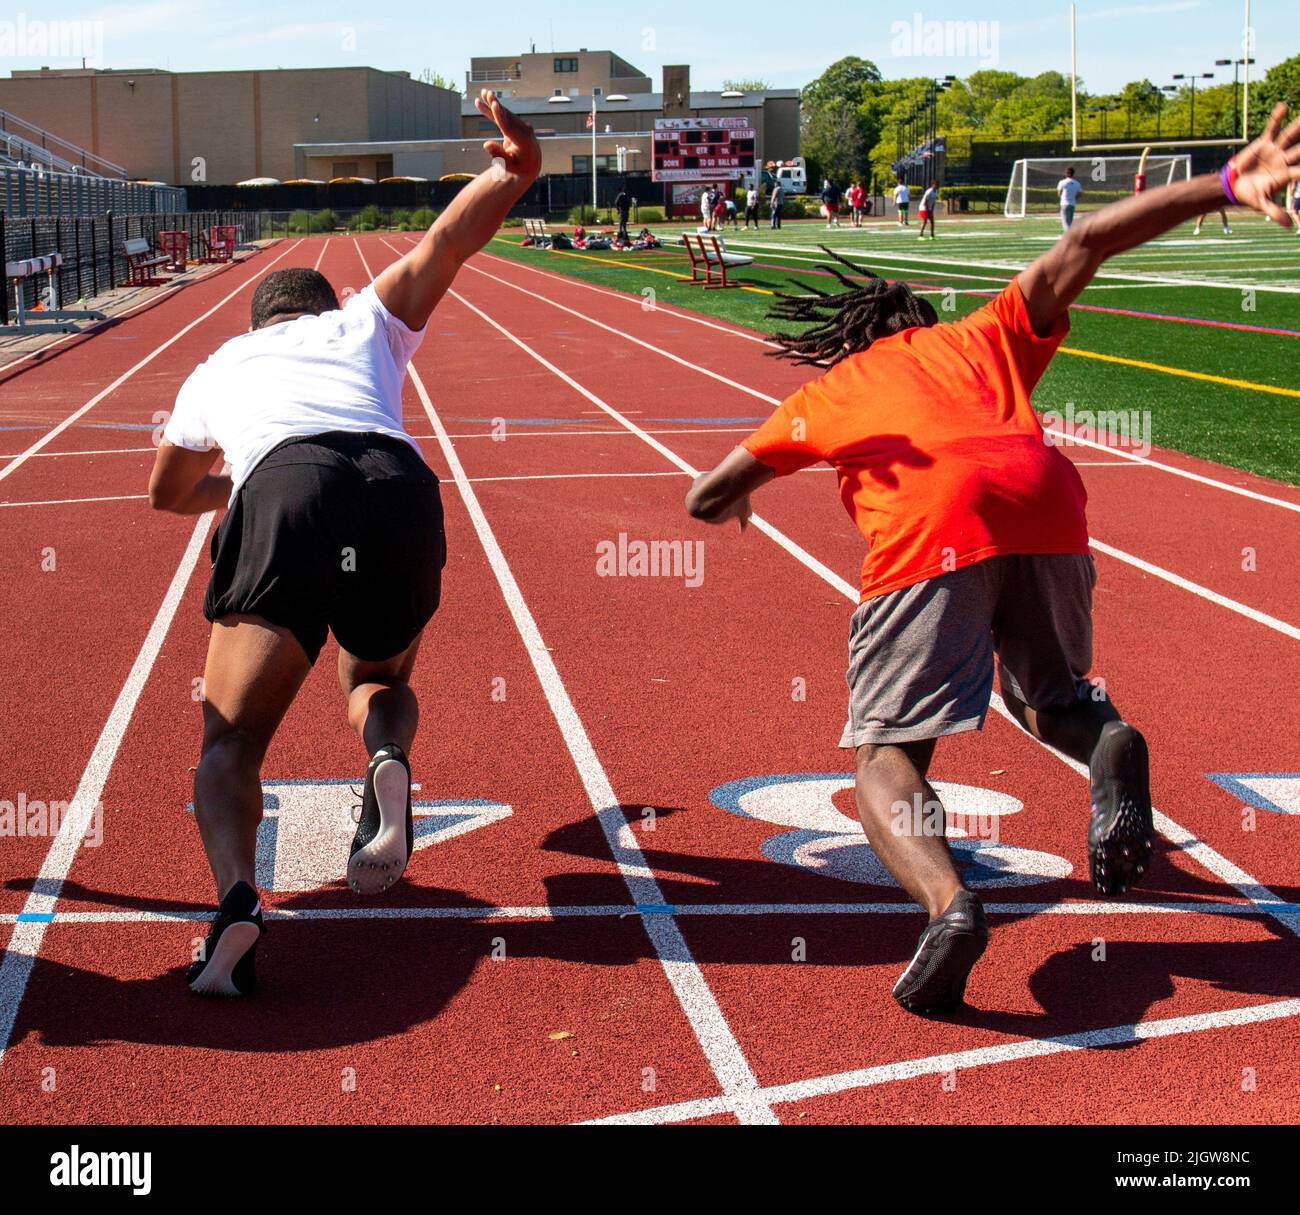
(94, 260)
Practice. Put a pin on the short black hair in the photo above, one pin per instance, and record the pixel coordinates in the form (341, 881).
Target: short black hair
(1070, 171)
(285, 292)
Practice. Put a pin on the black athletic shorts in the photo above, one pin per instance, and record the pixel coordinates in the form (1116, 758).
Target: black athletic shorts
(334, 532)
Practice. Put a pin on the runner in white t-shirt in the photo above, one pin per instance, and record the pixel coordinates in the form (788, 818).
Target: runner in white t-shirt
(1068, 190)
(334, 525)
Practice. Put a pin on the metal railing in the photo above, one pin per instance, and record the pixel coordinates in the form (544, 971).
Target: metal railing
(68, 155)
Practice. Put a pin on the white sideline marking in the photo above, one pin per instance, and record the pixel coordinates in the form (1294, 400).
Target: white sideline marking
(19, 460)
(984, 1056)
(25, 943)
(1016, 268)
(77, 501)
(1195, 588)
(1217, 864)
(698, 1003)
(1123, 454)
(627, 910)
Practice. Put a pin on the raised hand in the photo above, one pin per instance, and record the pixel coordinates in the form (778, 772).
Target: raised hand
(517, 148)
(1266, 166)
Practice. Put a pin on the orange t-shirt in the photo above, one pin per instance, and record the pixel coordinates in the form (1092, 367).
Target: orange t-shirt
(941, 458)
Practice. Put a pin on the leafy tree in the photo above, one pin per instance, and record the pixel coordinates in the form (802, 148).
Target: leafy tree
(833, 144)
(746, 86)
(835, 131)
(437, 79)
(841, 82)
(1281, 83)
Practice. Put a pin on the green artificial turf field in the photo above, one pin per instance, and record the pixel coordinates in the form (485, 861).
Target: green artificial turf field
(1213, 390)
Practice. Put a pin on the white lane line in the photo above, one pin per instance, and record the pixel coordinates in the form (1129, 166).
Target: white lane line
(625, 910)
(19, 460)
(77, 501)
(697, 1000)
(1186, 584)
(120, 316)
(1195, 588)
(25, 943)
(1146, 461)
(1217, 864)
(579, 476)
(984, 1056)
(101, 451)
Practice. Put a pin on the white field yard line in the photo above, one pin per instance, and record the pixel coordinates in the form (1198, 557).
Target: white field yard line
(19, 460)
(686, 316)
(697, 1001)
(1250, 613)
(1017, 267)
(627, 910)
(984, 1056)
(25, 943)
(1268, 902)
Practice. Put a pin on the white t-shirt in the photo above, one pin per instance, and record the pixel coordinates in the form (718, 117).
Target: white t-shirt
(1069, 188)
(902, 195)
(337, 371)
(928, 199)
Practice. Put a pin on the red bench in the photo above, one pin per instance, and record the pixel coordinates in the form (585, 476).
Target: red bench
(140, 261)
(708, 254)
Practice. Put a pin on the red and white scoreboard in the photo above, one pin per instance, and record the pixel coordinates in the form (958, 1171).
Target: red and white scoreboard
(699, 149)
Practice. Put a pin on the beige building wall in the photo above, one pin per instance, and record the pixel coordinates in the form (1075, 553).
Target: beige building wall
(433, 159)
(222, 127)
(534, 74)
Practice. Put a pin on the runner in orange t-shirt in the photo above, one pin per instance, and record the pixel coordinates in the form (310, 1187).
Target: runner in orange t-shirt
(978, 545)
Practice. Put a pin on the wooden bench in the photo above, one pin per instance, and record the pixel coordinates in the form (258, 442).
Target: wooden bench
(709, 254)
(53, 319)
(140, 260)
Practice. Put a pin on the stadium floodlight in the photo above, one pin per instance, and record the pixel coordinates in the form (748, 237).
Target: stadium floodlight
(1106, 179)
(1242, 126)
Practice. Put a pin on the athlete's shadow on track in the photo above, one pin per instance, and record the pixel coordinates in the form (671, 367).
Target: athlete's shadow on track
(1076, 992)
(330, 982)
(322, 983)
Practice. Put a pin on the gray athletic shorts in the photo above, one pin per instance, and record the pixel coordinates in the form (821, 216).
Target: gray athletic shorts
(921, 658)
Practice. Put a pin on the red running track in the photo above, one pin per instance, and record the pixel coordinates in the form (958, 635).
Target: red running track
(715, 954)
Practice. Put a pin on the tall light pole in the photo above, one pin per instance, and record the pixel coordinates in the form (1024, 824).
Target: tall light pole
(1236, 90)
(1193, 77)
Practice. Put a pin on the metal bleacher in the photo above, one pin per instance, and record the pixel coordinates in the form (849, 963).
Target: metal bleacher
(44, 174)
(25, 145)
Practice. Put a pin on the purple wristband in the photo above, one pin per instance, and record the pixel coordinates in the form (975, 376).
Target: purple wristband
(1228, 178)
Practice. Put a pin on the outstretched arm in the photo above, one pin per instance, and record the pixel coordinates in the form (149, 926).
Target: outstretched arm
(412, 287)
(1058, 278)
(724, 493)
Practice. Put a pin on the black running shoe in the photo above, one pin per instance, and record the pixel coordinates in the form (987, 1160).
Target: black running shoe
(227, 965)
(935, 978)
(1121, 834)
(385, 838)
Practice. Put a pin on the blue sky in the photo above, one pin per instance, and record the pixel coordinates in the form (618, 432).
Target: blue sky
(770, 39)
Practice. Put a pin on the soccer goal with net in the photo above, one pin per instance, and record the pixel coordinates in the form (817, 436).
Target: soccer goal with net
(1105, 179)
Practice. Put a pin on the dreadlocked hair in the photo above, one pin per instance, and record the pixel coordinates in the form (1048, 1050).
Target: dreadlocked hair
(842, 323)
